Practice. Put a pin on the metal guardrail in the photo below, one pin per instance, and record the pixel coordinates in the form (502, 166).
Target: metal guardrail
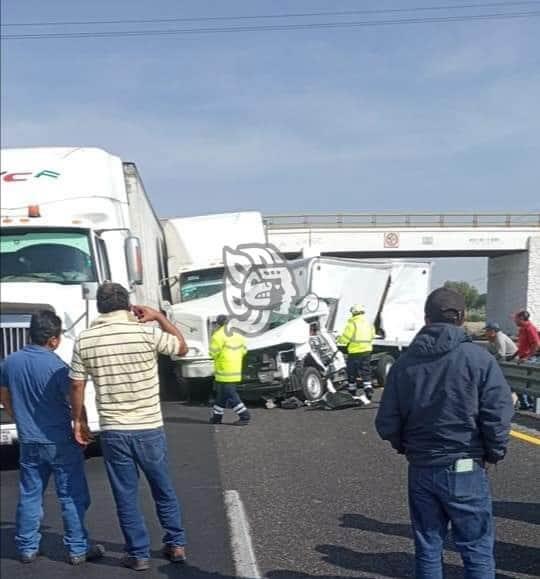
(402, 219)
(523, 378)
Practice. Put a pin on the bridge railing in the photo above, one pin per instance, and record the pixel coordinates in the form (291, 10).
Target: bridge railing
(388, 220)
(523, 378)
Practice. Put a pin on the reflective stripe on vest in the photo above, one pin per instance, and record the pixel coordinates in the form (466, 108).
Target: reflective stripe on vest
(227, 376)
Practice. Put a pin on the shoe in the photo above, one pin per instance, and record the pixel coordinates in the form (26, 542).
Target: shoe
(134, 563)
(175, 553)
(368, 391)
(216, 420)
(95, 552)
(29, 557)
(364, 399)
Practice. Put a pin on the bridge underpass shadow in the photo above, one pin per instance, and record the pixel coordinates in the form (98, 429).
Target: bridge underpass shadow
(509, 557)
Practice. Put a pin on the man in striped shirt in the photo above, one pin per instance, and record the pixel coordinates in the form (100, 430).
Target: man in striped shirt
(120, 354)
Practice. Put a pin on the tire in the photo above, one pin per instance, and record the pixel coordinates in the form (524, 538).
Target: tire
(383, 367)
(313, 385)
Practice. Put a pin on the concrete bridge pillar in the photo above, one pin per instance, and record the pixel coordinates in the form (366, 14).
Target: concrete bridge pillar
(513, 285)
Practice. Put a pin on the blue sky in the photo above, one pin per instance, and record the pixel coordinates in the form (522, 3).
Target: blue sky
(419, 117)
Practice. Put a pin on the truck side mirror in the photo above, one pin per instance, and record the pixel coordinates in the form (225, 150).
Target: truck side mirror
(134, 260)
(89, 290)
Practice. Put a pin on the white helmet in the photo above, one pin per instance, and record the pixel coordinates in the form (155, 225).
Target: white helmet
(358, 309)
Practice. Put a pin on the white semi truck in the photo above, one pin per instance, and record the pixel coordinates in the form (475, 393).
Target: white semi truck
(71, 218)
(195, 264)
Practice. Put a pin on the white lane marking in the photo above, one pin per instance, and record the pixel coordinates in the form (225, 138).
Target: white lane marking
(242, 548)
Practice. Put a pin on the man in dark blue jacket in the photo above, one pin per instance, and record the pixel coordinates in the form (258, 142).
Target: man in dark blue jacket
(447, 407)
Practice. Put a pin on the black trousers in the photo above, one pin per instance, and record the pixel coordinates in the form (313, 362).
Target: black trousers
(359, 367)
(227, 397)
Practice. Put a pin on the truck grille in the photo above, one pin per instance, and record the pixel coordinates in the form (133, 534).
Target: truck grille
(14, 333)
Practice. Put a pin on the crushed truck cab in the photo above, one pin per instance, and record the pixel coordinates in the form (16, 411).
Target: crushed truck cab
(300, 357)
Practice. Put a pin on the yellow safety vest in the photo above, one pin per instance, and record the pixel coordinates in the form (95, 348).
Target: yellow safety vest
(358, 335)
(228, 353)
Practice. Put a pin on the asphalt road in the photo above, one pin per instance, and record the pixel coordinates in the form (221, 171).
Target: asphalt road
(324, 498)
(195, 470)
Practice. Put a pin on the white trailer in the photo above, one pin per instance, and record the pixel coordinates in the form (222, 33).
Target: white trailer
(71, 219)
(195, 250)
(392, 291)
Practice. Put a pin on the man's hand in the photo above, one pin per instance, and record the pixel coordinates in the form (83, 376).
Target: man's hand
(145, 314)
(82, 433)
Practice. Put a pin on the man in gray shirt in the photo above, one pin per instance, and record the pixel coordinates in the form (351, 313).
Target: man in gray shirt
(500, 345)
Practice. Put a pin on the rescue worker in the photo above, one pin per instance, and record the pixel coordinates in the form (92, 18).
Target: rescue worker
(357, 338)
(227, 351)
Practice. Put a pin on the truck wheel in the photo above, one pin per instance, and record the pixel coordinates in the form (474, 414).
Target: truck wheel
(383, 367)
(313, 386)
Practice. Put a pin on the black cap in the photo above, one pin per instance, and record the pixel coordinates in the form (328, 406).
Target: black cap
(221, 320)
(493, 326)
(445, 305)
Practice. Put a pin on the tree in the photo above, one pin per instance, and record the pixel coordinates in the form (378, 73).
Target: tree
(468, 291)
(481, 301)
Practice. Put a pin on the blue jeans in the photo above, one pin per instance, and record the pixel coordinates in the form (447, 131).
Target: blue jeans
(439, 496)
(65, 461)
(125, 452)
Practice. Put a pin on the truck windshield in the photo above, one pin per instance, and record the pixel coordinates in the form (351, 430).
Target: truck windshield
(201, 284)
(46, 255)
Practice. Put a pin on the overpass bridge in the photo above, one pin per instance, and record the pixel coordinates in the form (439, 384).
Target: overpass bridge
(510, 241)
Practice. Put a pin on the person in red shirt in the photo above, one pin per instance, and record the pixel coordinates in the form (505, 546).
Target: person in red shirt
(528, 337)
